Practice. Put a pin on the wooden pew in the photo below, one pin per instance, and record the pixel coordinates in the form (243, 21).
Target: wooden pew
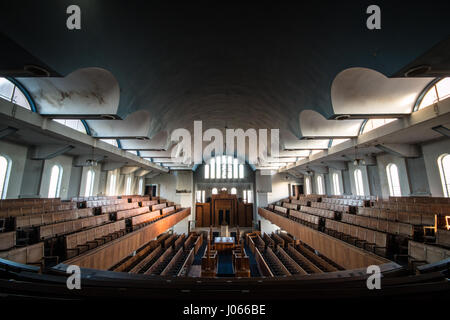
(321, 264)
(7, 240)
(58, 229)
(291, 265)
(158, 206)
(50, 218)
(147, 260)
(131, 212)
(145, 218)
(32, 254)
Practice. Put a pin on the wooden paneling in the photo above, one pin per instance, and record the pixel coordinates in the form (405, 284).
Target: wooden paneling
(344, 254)
(106, 256)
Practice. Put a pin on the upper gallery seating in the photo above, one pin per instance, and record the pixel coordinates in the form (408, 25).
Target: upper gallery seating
(39, 230)
(385, 227)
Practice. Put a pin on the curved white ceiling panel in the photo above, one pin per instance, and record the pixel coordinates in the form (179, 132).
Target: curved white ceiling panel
(135, 125)
(314, 125)
(158, 142)
(362, 91)
(85, 93)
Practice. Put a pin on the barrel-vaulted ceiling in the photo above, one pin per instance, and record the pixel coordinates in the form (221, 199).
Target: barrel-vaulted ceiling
(230, 65)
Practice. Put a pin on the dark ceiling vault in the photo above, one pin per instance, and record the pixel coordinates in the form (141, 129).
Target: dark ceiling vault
(234, 65)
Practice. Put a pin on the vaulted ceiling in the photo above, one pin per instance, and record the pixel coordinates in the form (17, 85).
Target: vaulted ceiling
(161, 66)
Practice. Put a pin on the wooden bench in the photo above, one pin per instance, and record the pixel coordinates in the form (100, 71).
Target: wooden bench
(158, 206)
(58, 229)
(50, 218)
(84, 240)
(305, 218)
(119, 207)
(32, 254)
(168, 210)
(145, 218)
(319, 212)
(281, 210)
(131, 212)
(7, 240)
(290, 205)
(443, 237)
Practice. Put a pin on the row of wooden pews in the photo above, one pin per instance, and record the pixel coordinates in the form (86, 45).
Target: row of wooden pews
(83, 224)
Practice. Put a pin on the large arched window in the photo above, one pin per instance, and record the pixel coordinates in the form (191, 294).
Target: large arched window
(214, 191)
(320, 187)
(90, 177)
(128, 186)
(393, 180)
(359, 186)
(112, 184)
(206, 171)
(444, 169)
(141, 186)
(224, 167)
(336, 185)
(72, 123)
(5, 165)
(371, 124)
(55, 181)
(308, 185)
(9, 91)
(438, 92)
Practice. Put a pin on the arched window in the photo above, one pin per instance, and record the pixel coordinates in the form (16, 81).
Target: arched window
(235, 168)
(218, 167)
(213, 168)
(112, 142)
(214, 191)
(241, 171)
(438, 92)
(141, 186)
(55, 181)
(90, 177)
(233, 191)
(336, 185)
(206, 171)
(358, 182)
(112, 184)
(5, 166)
(393, 180)
(247, 196)
(375, 123)
(9, 91)
(307, 185)
(320, 188)
(128, 186)
(444, 169)
(72, 123)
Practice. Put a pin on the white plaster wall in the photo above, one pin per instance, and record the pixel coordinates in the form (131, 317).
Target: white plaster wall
(65, 162)
(431, 153)
(267, 226)
(17, 155)
(382, 162)
(352, 168)
(280, 186)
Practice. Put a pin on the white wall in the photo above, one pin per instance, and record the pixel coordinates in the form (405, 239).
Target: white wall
(330, 178)
(280, 186)
(352, 168)
(17, 155)
(65, 162)
(382, 162)
(431, 153)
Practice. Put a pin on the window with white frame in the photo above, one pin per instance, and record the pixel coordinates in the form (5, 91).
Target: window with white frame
(200, 196)
(223, 167)
(438, 92)
(207, 171)
(320, 186)
(247, 196)
(72, 123)
(307, 185)
(5, 165)
(393, 180)
(359, 186)
(128, 186)
(233, 191)
(336, 184)
(141, 186)
(55, 181)
(9, 91)
(444, 170)
(89, 188)
(112, 184)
